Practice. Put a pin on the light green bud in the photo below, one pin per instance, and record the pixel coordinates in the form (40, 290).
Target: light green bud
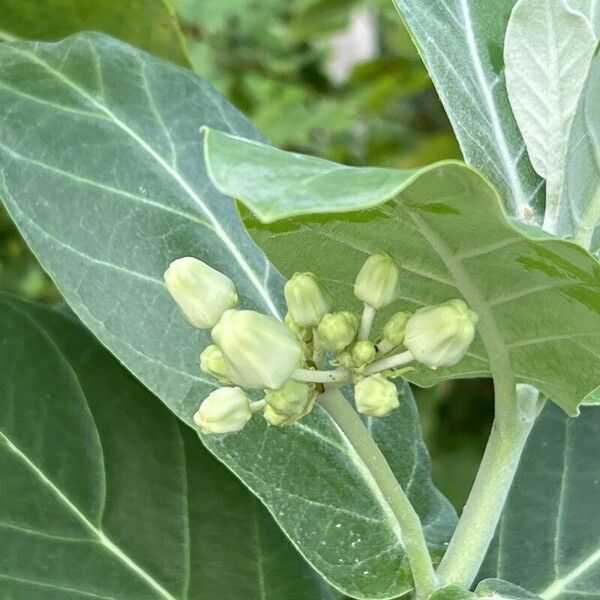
(344, 359)
(289, 403)
(336, 331)
(375, 396)
(395, 328)
(376, 282)
(225, 410)
(307, 299)
(212, 363)
(363, 353)
(439, 336)
(202, 293)
(259, 351)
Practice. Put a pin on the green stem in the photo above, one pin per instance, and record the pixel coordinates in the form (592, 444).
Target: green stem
(340, 375)
(413, 537)
(391, 362)
(515, 416)
(366, 322)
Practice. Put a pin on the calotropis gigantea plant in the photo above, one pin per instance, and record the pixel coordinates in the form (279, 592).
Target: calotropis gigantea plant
(107, 175)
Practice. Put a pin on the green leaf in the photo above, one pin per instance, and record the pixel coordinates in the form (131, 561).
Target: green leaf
(496, 589)
(148, 24)
(548, 539)
(108, 188)
(579, 212)
(461, 43)
(537, 297)
(101, 480)
(548, 51)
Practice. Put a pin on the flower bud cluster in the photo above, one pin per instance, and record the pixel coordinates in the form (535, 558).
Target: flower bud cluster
(253, 351)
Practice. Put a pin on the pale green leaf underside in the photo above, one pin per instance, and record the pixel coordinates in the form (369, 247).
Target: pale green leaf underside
(537, 299)
(548, 539)
(548, 50)
(106, 495)
(496, 589)
(108, 186)
(461, 43)
(579, 214)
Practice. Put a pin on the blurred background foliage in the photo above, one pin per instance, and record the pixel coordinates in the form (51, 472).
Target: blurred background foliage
(339, 79)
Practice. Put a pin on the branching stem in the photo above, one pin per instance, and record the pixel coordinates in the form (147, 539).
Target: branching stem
(468, 547)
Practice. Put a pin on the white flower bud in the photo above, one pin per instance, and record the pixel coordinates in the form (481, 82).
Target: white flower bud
(212, 363)
(202, 293)
(336, 331)
(375, 396)
(439, 336)
(376, 282)
(289, 403)
(395, 328)
(225, 410)
(259, 351)
(363, 353)
(307, 299)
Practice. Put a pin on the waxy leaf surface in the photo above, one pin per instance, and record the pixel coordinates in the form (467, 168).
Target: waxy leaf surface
(548, 51)
(102, 170)
(106, 495)
(548, 539)
(461, 43)
(537, 297)
(496, 589)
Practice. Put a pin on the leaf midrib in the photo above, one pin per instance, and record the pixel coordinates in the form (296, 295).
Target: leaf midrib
(185, 186)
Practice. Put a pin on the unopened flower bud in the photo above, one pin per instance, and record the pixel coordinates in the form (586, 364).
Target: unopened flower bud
(336, 331)
(375, 396)
(307, 299)
(395, 328)
(363, 353)
(225, 410)
(439, 336)
(259, 351)
(212, 363)
(202, 293)
(344, 359)
(376, 282)
(289, 403)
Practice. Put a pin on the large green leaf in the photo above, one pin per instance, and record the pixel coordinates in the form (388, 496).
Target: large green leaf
(106, 495)
(108, 187)
(548, 539)
(461, 43)
(496, 589)
(148, 24)
(537, 298)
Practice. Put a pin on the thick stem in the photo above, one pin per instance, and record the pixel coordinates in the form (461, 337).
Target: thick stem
(340, 375)
(385, 364)
(482, 511)
(366, 322)
(411, 530)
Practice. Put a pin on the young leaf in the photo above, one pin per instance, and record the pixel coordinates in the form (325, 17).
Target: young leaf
(537, 298)
(548, 52)
(148, 24)
(106, 495)
(496, 589)
(579, 211)
(461, 42)
(548, 539)
(108, 188)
